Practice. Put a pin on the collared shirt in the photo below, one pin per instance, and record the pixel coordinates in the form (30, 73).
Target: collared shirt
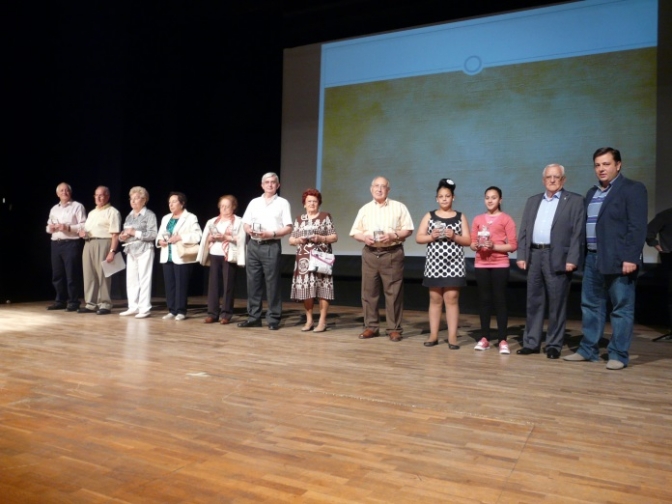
(103, 222)
(273, 214)
(544, 221)
(593, 211)
(145, 231)
(71, 213)
(388, 216)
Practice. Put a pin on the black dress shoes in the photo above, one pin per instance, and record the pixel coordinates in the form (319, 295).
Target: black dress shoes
(431, 343)
(56, 306)
(553, 353)
(72, 308)
(274, 326)
(85, 310)
(526, 351)
(103, 311)
(250, 323)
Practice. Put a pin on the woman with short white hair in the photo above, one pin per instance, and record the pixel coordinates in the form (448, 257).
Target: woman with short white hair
(138, 238)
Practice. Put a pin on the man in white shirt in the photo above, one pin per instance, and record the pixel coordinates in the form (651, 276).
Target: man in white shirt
(65, 220)
(266, 220)
(382, 225)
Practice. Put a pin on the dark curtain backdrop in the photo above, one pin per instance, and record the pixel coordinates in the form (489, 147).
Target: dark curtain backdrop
(168, 95)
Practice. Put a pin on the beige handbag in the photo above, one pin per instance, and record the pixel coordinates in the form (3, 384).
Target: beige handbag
(187, 251)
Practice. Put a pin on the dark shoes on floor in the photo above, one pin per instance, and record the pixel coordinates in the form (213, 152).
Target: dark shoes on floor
(85, 310)
(103, 311)
(527, 351)
(56, 306)
(553, 353)
(250, 323)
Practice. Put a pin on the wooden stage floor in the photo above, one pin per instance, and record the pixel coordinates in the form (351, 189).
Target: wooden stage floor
(106, 409)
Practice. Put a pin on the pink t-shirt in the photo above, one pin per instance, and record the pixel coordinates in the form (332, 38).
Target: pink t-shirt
(502, 230)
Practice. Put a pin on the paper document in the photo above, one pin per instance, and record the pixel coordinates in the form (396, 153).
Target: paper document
(118, 264)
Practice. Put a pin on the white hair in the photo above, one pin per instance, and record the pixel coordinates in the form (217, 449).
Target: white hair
(268, 175)
(554, 165)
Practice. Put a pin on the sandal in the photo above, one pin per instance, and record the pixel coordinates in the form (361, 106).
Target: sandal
(307, 328)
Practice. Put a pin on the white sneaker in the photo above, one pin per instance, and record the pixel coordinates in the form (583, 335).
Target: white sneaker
(504, 348)
(168, 316)
(484, 344)
(142, 315)
(180, 316)
(128, 312)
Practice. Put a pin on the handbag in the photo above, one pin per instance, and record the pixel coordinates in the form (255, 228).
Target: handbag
(321, 262)
(187, 251)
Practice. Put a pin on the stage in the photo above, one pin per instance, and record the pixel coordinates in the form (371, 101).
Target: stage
(109, 409)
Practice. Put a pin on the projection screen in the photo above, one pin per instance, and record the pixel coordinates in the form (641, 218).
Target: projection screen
(487, 101)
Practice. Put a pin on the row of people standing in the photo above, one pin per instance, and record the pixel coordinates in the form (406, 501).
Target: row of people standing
(222, 246)
(559, 230)
(383, 225)
(102, 231)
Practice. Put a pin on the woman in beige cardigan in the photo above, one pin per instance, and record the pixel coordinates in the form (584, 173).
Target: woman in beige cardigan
(223, 249)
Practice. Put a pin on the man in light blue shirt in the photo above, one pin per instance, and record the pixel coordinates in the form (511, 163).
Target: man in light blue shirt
(550, 249)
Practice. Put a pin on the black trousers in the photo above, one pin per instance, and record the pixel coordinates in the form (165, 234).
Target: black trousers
(221, 279)
(176, 278)
(492, 284)
(66, 271)
(666, 261)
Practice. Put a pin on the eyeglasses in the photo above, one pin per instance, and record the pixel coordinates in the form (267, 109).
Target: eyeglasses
(553, 177)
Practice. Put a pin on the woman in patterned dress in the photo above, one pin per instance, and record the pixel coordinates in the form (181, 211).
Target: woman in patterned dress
(312, 230)
(445, 231)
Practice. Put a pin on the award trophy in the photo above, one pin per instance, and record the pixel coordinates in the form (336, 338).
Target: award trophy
(256, 229)
(442, 229)
(483, 236)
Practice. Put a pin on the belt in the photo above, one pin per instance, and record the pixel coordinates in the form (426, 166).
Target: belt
(265, 242)
(591, 251)
(541, 246)
(384, 249)
(64, 240)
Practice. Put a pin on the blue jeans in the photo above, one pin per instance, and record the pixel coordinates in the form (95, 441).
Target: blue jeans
(596, 290)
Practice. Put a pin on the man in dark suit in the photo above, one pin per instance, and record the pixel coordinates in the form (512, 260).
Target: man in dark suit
(550, 248)
(616, 211)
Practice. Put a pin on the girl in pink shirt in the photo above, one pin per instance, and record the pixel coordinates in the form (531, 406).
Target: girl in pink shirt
(493, 236)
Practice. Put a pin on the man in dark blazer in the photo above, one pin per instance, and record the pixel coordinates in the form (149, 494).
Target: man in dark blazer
(550, 248)
(616, 216)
